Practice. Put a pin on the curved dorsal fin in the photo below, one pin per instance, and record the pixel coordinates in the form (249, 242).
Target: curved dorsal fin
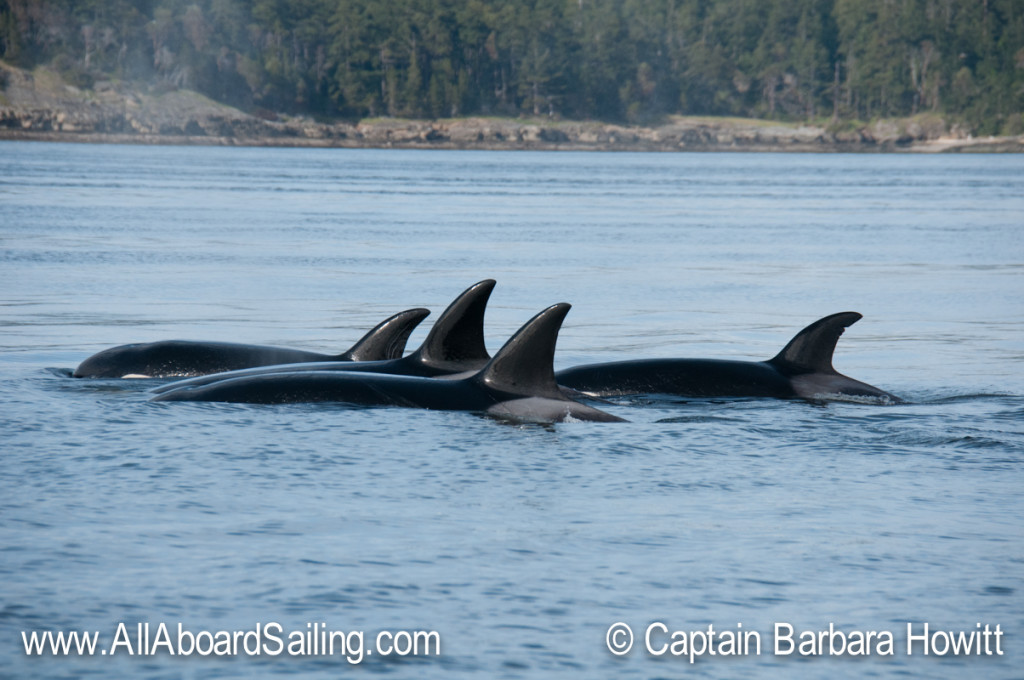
(458, 334)
(525, 364)
(811, 349)
(387, 339)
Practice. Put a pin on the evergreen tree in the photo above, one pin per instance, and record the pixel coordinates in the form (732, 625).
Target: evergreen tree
(633, 60)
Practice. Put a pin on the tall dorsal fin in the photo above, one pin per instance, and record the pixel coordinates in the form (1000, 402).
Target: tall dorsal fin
(387, 339)
(811, 349)
(458, 334)
(525, 364)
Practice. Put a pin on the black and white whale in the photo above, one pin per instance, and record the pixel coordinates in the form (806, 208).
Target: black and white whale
(455, 345)
(803, 369)
(518, 383)
(183, 358)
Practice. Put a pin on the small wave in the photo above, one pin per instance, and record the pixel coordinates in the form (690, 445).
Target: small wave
(93, 385)
(697, 419)
(880, 400)
(942, 441)
(974, 396)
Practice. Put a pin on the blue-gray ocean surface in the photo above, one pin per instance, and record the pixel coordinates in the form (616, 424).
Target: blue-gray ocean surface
(519, 544)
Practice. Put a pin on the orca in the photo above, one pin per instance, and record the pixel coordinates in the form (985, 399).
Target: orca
(802, 370)
(183, 358)
(454, 346)
(518, 383)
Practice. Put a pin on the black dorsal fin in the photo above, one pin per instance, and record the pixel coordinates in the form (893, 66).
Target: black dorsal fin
(387, 339)
(525, 364)
(811, 349)
(458, 334)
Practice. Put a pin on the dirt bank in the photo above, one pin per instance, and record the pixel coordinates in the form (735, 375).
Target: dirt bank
(39, 105)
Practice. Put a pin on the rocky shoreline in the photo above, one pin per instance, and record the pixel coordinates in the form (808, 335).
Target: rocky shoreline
(38, 105)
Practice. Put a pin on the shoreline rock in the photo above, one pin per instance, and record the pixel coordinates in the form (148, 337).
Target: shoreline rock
(39, 106)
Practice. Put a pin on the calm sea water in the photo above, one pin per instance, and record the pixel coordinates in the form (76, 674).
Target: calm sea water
(519, 545)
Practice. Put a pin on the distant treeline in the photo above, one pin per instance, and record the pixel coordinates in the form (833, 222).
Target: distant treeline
(631, 60)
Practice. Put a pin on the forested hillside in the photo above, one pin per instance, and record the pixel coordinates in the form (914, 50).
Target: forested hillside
(617, 60)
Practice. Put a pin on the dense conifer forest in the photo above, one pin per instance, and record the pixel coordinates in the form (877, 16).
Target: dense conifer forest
(614, 60)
